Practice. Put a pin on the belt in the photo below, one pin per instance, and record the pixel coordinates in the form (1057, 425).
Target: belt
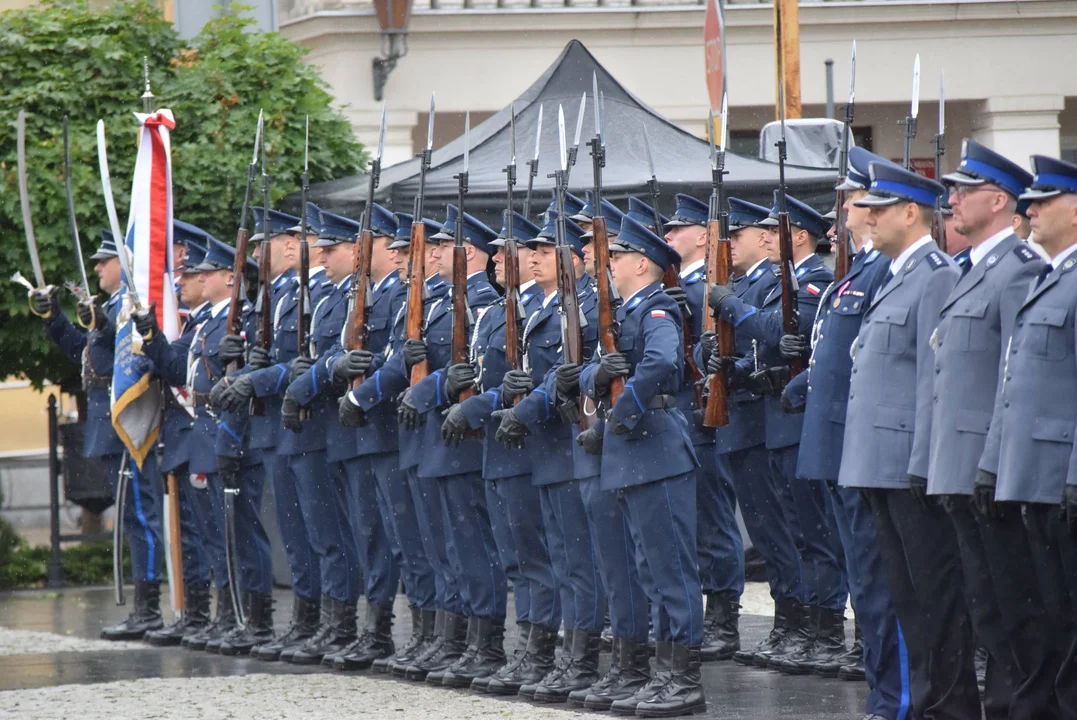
(662, 402)
(97, 382)
(200, 399)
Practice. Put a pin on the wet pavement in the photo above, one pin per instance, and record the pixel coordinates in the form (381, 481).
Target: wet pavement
(733, 692)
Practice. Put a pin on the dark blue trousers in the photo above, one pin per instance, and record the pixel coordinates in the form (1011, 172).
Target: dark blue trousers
(763, 511)
(142, 521)
(431, 518)
(209, 516)
(662, 516)
(885, 657)
(617, 564)
(380, 570)
(254, 562)
(575, 562)
(721, 549)
(473, 552)
(196, 564)
(399, 520)
(324, 501)
(515, 507)
(303, 563)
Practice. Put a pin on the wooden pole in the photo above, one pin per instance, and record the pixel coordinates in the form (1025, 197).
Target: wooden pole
(787, 56)
(174, 542)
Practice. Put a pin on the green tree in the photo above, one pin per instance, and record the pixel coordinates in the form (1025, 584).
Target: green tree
(59, 58)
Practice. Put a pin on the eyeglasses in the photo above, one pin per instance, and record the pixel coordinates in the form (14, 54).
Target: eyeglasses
(963, 190)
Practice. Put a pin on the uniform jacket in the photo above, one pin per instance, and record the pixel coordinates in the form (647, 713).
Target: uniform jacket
(888, 423)
(823, 389)
(656, 444)
(177, 423)
(1030, 443)
(974, 330)
(695, 287)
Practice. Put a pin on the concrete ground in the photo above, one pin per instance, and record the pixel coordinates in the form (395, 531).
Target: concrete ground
(52, 666)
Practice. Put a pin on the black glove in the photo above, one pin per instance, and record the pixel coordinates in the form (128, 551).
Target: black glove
(298, 366)
(218, 391)
(510, 431)
(567, 379)
(610, 366)
(983, 494)
(229, 469)
(918, 488)
(717, 294)
(708, 344)
(238, 396)
(760, 382)
(681, 298)
(231, 349)
(1070, 504)
(779, 378)
(591, 440)
(351, 365)
(407, 414)
(455, 426)
(145, 320)
(516, 383)
(618, 427)
(350, 414)
(414, 352)
(92, 315)
(735, 374)
(258, 357)
(45, 303)
(793, 347)
(289, 413)
(789, 407)
(458, 377)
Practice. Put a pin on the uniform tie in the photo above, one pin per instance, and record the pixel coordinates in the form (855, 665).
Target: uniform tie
(1043, 274)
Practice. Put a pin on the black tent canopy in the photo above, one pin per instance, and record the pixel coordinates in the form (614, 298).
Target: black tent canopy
(682, 162)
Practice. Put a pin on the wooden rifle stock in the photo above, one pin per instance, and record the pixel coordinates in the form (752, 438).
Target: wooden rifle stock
(607, 338)
(513, 350)
(235, 303)
(841, 236)
(671, 279)
(939, 231)
(790, 321)
(571, 331)
(416, 286)
(719, 262)
(357, 329)
(265, 310)
(460, 346)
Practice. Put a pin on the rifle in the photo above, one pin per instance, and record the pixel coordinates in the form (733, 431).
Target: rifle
(303, 309)
(359, 302)
(607, 324)
(790, 313)
(532, 166)
(243, 236)
(263, 307)
(719, 264)
(461, 351)
(514, 311)
(914, 110)
(417, 257)
(940, 150)
(841, 232)
(572, 151)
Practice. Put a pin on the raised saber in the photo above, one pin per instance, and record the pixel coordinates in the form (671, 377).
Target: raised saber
(113, 219)
(24, 199)
(82, 292)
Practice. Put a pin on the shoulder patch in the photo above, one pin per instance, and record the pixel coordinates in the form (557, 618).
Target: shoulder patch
(1024, 253)
(694, 278)
(658, 313)
(935, 260)
(812, 289)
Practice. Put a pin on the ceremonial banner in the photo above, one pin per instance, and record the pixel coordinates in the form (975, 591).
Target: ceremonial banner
(137, 401)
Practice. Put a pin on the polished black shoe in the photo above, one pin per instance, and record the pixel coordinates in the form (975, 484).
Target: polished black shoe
(854, 672)
(430, 645)
(853, 656)
(339, 633)
(633, 675)
(422, 628)
(452, 646)
(145, 615)
(683, 694)
(195, 616)
(214, 642)
(484, 657)
(576, 698)
(663, 674)
(777, 637)
(535, 664)
(827, 646)
(223, 623)
(721, 628)
(376, 642)
(581, 673)
(305, 614)
(527, 690)
(259, 629)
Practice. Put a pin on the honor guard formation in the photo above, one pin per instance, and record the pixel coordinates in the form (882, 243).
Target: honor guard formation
(581, 424)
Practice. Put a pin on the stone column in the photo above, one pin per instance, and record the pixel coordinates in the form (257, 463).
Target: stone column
(1019, 126)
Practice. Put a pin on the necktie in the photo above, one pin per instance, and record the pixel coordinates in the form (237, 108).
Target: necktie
(1043, 274)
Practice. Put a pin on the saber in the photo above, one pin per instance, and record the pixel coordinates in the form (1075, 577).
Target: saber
(117, 528)
(83, 292)
(230, 553)
(122, 253)
(24, 199)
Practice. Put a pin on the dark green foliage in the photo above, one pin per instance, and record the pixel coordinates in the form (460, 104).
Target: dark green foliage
(59, 58)
(85, 564)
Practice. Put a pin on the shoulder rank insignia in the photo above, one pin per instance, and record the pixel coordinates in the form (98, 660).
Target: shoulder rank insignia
(935, 260)
(1025, 253)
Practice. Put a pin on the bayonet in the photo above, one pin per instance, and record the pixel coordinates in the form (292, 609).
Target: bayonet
(381, 134)
(852, 75)
(841, 230)
(147, 96)
(724, 118)
(24, 199)
(572, 151)
(514, 311)
(82, 292)
(940, 150)
(785, 242)
(652, 185)
(563, 155)
(594, 99)
(914, 110)
(533, 165)
(461, 313)
(512, 137)
(467, 140)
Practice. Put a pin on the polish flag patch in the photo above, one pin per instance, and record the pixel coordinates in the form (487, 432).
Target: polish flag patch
(812, 288)
(658, 313)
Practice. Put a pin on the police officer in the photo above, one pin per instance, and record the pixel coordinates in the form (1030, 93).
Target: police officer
(822, 392)
(721, 550)
(613, 217)
(647, 458)
(887, 441)
(1029, 449)
(94, 350)
(974, 330)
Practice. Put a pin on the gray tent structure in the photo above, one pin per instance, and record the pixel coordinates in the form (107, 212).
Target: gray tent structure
(682, 162)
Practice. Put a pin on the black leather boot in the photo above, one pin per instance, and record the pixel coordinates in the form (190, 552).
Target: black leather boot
(663, 674)
(683, 694)
(213, 644)
(376, 642)
(799, 641)
(305, 614)
(576, 698)
(523, 631)
(633, 675)
(452, 647)
(527, 690)
(774, 640)
(223, 623)
(422, 627)
(721, 631)
(340, 633)
(535, 664)
(853, 670)
(581, 673)
(195, 617)
(259, 628)
(484, 657)
(429, 646)
(145, 615)
(828, 645)
(853, 655)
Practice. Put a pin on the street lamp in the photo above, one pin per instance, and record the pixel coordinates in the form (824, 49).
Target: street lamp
(393, 16)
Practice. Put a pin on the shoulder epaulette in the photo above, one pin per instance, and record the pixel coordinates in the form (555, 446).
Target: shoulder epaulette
(1024, 253)
(935, 260)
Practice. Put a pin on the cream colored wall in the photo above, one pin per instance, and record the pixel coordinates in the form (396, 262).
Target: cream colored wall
(24, 425)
